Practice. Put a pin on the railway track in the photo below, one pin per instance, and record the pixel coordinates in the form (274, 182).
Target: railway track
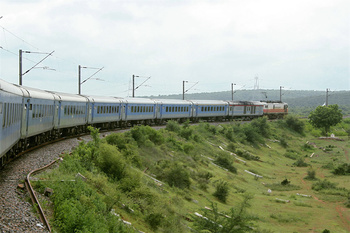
(16, 213)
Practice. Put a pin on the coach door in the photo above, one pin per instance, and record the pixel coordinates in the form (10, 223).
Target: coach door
(25, 118)
(55, 118)
(122, 113)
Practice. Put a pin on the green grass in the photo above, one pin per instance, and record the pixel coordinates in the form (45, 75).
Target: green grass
(155, 207)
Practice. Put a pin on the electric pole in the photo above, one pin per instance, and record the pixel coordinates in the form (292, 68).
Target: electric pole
(281, 94)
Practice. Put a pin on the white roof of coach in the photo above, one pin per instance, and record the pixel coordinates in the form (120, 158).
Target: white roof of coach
(139, 101)
(10, 88)
(103, 99)
(37, 93)
(70, 97)
(172, 101)
(209, 102)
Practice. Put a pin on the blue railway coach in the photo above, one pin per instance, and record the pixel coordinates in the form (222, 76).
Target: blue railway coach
(210, 109)
(169, 109)
(11, 106)
(106, 112)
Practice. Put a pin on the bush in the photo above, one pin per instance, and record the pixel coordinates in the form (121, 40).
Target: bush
(225, 161)
(283, 142)
(231, 147)
(343, 169)
(177, 176)
(154, 220)
(324, 184)
(291, 155)
(118, 140)
(295, 124)
(221, 191)
(188, 147)
(251, 134)
(173, 126)
(186, 133)
(261, 126)
(311, 174)
(236, 220)
(141, 134)
(111, 162)
(247, 155)
(300, 163)
(203, 179)
(285, 182)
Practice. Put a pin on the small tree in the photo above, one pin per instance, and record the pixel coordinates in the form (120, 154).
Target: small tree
(222, 190)
(325, 117)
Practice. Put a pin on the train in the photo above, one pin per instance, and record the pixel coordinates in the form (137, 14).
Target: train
(30, 117)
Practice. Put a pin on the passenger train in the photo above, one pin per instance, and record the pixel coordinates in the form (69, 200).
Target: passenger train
(29, 116)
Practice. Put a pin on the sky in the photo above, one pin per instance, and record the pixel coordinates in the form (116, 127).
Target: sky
(266, 44)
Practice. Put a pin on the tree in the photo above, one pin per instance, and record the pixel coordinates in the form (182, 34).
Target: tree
(325, 117)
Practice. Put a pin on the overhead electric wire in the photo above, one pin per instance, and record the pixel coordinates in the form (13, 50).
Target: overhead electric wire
(19, 38)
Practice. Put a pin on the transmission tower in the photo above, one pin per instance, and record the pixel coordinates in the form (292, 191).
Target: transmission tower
(256, 84)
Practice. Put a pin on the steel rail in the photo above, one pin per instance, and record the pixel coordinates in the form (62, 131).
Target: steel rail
(33, 196)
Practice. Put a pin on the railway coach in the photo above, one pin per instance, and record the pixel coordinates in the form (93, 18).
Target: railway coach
(246, 110)
(11, 109)
(275, 109)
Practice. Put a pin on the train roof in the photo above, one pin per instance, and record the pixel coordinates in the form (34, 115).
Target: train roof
(69, 97)
(172, 101)
(37, 93)
(211, 102)
(10, 88)
(139, 100)
(103, 99)
(246, 103)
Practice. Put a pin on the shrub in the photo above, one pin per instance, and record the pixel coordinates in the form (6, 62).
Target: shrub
(247, 155)
(154, 220)
(295, 124)
(188, 147)
(177, 176)
(283, 142)
(236, 220)
(117, 140)
(231, 147)
(324, 184)
(343, 169)
(221, 191)
(203, 179)
(141, 134)
(186, 133)
(300, 163)
(285, 182)
(173, 126)
(291, 154)
(111, 162)
(311, 174)
(251, 134)
(224, 160)
(261, 126)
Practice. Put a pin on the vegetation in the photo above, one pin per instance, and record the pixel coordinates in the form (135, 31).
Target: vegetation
(183, 176)
(325, 117)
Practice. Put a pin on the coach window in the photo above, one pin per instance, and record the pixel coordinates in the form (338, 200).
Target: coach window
(33, 111)
(4, 116)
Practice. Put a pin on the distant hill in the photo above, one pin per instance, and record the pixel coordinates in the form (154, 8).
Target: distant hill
(300, 102)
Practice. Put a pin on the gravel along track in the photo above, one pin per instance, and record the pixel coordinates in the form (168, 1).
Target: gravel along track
(16, 214)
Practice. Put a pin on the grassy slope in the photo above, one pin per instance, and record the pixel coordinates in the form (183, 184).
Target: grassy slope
(301, 214)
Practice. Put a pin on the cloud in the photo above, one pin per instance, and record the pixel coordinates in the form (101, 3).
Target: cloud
(299, 44)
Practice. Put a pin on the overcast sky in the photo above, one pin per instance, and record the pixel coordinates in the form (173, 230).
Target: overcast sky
(299, 44)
